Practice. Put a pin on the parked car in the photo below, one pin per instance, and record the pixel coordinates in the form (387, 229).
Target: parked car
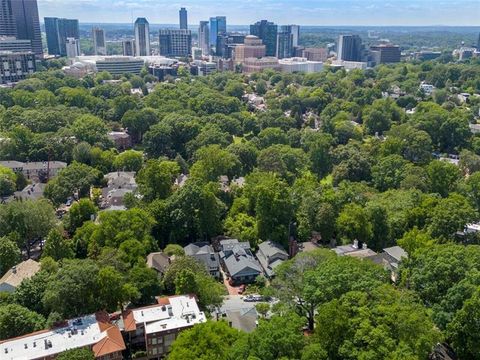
(253, 298)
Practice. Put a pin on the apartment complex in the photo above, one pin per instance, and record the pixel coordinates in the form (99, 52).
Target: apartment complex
(175, 43)
(94, 332)
(154, 328)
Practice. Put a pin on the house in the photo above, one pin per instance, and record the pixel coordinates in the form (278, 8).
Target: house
(30, 192)
(158, 261)
(119, 184)
(270, 255)
(354, 250)
(36, 171)
(239, 262)
(427, 89)
(14, 277)
(94, 332)
(203, 252)
(121, 139)
(154, 328)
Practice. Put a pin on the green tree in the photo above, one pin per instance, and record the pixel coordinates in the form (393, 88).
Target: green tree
(353, 224)
(15, 320)
(10, 254)
(129, 160)
(156, 179)
(8, 181)
(79, 213)
(464, 330)
(77, 354)
(443, 177)
(383, 323)
(212, 162)
(75, 178)
(90, 129)
(146, 281)
(277, 338)
(28, 220)
(57, 247)
(174, 249)
(389, 172)
(207, 341)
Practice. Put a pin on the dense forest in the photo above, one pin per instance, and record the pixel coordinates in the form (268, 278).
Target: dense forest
(348, 155)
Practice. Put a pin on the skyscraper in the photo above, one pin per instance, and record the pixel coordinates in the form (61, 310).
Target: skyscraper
(142, 37)
(295, 30)
(19, 18)
(284, 42)
(72, 47)
(218, 25)
(7, 21)
(175, 43)
(58, 31)
(183, 19)
(267, 31)
(99, 43)
(204, 38)
(349, 48)
(128, 47)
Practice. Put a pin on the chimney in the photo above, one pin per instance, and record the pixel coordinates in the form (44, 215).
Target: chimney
(14, 269)
(355, 244)
(364, 246)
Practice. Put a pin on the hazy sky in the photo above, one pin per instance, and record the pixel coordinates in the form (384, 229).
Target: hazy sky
(304, 12)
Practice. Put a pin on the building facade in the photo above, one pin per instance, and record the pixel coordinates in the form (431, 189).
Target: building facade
(218, 25)
(204, 38)
(16, 66)
(119, 65)
(8, 26)
(284, 42)
(142, 37)
(99, 43)
(58, 31)
(14, 45)
(154, 328)
(252, 47)
(315, 54)
(128, 47)
(292, 65)
(27, 23)
(175, 43)
(385, 54)
(349, 48)
(183, 19)
(267, 31)
(73, 48)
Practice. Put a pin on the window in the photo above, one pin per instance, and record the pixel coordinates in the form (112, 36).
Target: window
(154, 341)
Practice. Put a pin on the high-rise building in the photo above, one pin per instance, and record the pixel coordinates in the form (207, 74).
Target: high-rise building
(175, 43)
(142, 37)
(349, 48)
(315, 54)
(10, 43)
(227, 43)
(385, 54)
(16, 66)
(295, 30)
(8, 26)
(204, 38)
(478, 42)
(251, 48)
(19, 18)
(218, 25)
(183, 19)
(267, 31)
(58, 31)
(128, 47)
(72, 47)
(99, 43)
(284, 42)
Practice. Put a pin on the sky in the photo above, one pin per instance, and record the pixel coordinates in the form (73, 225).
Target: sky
(302, 12)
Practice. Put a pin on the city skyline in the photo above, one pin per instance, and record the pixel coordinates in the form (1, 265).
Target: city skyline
(305, 12)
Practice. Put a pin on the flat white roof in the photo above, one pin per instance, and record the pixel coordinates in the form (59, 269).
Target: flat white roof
(79, 333)
(182, 312)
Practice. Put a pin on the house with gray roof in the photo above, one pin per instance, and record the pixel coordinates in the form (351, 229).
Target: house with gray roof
(159, 262)
(119, 184)
(238, 261)
(14, 277)
(270, 255)
(390, 258)
(203, 252)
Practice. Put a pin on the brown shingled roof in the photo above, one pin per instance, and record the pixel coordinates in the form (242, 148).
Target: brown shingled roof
(111, 343)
